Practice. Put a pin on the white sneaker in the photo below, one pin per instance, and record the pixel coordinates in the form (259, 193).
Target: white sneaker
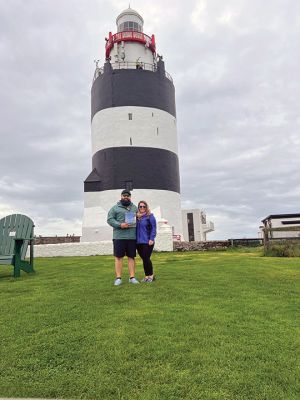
(118, 282)
(133, 280)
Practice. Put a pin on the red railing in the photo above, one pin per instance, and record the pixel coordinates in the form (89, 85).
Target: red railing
(129, 36)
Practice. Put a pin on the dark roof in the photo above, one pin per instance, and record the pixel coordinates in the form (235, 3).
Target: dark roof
(93, 176)
(278, 216)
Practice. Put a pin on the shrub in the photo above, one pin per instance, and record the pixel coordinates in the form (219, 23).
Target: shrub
(283, 249)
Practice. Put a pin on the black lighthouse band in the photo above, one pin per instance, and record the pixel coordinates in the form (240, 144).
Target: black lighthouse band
(136, 167)
(129, 87)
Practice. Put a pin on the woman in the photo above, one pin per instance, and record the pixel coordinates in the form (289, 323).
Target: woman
(145, 235)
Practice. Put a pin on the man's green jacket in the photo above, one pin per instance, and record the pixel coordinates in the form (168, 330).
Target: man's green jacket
(116, 216)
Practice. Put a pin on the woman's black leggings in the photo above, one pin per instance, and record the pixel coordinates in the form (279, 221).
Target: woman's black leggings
(145, 251)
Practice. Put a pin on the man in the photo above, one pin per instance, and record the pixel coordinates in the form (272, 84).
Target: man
(122, 218)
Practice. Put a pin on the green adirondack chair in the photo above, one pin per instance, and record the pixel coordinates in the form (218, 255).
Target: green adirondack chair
(16, 233)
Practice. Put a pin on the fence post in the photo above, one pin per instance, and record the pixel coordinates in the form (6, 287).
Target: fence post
(266, 240)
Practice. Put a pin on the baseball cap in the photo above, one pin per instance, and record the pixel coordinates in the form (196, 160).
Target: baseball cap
(126, 192)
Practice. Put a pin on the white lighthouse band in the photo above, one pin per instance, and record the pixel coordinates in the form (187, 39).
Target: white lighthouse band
(134, 134)
(145, 127)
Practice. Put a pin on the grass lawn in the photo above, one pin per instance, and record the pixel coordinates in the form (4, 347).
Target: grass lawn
(215, 325)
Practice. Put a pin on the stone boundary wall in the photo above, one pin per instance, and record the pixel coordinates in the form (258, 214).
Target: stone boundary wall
(38, 240)
(74, 249)
(51, 246)
(163, 242)
(201, 246)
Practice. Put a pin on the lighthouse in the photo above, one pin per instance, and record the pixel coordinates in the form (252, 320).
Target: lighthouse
(133, 131)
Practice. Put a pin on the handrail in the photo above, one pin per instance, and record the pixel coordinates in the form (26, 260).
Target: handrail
(98, 71)
(169, 76)
(134, 65)
(131, 36)
(131, 65)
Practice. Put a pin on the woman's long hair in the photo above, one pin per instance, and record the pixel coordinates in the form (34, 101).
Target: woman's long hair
(148, 212)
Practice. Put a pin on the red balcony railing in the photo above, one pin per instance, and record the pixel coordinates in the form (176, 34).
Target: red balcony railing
(129, 36)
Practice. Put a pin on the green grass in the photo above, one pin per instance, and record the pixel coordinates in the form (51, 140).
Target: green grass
(215, 325)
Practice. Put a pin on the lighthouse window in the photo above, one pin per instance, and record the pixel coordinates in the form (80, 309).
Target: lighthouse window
(157, 131)
(130, 116)
(130, 26)
(130, 142)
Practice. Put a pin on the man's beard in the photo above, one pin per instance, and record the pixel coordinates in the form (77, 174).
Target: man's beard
(125, 202)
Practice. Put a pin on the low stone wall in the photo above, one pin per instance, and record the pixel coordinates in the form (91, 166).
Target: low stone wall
(201, 246)
(163, 242)
(38, 240)
(74, 249)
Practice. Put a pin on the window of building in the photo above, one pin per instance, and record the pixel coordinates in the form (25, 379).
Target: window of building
(130, 142)
(130, 26)
(134, 26)
(130, 116)
(157, 131)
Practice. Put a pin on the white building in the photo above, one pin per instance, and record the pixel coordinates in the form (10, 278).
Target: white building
(195, 226)
(282, 222)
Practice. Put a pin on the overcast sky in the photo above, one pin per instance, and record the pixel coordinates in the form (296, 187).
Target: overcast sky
(235, 66)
